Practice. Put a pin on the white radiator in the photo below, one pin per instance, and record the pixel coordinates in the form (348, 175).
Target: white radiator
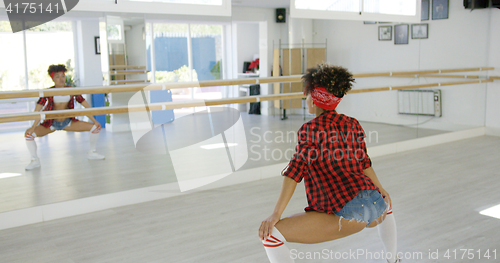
(420, 102)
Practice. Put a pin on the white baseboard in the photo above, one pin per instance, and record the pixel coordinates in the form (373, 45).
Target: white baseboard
(48, 212)
(492, 131)
(117, 127)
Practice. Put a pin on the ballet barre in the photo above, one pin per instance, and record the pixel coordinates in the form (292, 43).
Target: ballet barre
(209, 83)
(201, 103)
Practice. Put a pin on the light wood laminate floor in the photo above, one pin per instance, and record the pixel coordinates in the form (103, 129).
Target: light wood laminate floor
(66, 174)
(437, 194)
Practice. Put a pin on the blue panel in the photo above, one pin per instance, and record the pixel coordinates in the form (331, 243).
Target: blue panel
(203, 57)
(162, 116)
(99, 101)
(170, 53)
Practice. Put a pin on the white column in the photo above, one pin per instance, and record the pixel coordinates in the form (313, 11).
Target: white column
(493, 89)
(89, 63)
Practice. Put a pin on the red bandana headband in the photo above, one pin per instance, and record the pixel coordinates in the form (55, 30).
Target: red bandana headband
(53, 73)
(324, 99)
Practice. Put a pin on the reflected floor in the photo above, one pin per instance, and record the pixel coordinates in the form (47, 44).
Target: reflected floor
(66, 174)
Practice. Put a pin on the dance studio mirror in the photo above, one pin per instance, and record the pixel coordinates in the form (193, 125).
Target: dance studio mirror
(256, 139)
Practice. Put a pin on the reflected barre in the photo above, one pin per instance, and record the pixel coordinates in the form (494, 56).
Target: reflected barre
(213, 83)
(200, 103)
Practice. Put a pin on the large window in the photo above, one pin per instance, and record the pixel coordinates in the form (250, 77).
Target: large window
(50, 43)
(373, 10)
(184, 53)
(391, 7)
(207, 58)
(12, 69)
(12, 75)
(197, 2)
(327, 5)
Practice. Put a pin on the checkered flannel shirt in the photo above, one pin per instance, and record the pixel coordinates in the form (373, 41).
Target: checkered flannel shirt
(331, 157)
(50, 106)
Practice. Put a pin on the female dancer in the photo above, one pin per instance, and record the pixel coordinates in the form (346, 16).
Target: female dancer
(58, 75)
(343, 192)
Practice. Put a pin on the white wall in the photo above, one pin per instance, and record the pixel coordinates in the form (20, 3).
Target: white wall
(89, 63)
(247, 42)
(300, 30)
(493, 90)
(458, 42)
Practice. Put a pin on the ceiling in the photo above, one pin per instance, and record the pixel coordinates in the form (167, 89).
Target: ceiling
(262, 3)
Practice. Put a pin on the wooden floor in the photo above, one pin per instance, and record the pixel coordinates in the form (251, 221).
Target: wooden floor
(66, 174)
(437, 194)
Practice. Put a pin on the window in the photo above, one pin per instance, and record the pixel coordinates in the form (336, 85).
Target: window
(328, 5)
(391, 7)
(196, 2)
(50, 43)
(207, 58)
(367, 10)
(184, 53)
(12, 69)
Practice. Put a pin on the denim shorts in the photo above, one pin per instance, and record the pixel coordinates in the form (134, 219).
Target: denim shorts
(366, 206)
(59, 125)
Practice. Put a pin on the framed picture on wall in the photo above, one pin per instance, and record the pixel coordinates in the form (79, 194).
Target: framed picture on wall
(97, 45)
(425, 10)
(385, 33)
(419, 31)
(440, 9)
(401, 34)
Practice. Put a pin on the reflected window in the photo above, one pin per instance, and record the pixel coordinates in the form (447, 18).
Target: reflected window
(11, 59)
(171, 53)
(195, 2)
(392, 7)
(114, 32)
(46, 44)
(328, 5)
(207, 58)
(42, 52)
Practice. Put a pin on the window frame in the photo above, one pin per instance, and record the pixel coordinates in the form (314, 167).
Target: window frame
(356, 16)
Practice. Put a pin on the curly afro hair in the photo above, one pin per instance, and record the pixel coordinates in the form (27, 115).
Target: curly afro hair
(57, 68)
(335, 79)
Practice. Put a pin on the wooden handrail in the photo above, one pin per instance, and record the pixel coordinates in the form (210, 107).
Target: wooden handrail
(114, 67)
(199, 103)
(127, 72)
(201, 84)
(442, 76)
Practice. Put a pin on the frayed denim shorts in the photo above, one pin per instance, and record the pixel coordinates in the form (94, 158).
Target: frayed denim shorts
(366, 206)
(59, 125)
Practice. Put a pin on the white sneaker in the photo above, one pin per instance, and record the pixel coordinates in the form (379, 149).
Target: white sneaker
(35, 163)
(95, 156)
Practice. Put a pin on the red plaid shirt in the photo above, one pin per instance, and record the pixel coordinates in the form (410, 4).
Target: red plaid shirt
(330, 156)
(49, 105)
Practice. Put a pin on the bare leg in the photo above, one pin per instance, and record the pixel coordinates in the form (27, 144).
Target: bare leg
(314, 227)
(308, 227)
(79, 126)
